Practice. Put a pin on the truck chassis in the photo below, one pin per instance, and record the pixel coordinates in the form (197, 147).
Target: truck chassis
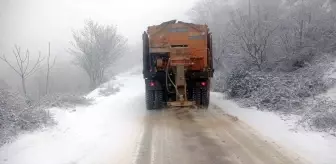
(175, 85)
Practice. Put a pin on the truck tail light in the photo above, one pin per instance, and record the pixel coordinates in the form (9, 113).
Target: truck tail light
(152, 84)
(203, 83)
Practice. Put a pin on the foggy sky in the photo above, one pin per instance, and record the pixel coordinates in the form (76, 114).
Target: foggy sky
(33, 23)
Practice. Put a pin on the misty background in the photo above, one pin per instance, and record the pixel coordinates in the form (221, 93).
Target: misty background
(31, 24)
(270, 54)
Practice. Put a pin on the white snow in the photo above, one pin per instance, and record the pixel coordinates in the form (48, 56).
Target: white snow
(102, 133)
(96, 134)
(316, 147)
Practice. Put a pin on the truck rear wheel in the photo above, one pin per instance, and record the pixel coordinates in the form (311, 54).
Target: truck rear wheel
(205, 96)
(149, 100)
(158, 102)
(196, 96)
(201, 96)
(154, 99)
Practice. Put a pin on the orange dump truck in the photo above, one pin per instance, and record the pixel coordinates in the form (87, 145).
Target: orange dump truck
(177, 65)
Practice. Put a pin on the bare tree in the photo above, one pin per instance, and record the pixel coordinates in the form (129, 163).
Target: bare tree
(306, 29)
(96, 48)
(24, 68)
(49, 67)
(252, 36)
(204, 11)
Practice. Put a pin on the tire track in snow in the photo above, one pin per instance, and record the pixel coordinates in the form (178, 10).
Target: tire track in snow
(198, 137)
(144, 153)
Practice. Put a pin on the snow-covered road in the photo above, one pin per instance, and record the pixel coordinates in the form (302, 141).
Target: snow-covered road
(118, 130)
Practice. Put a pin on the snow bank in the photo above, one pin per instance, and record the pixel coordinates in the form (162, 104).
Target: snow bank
(93, 134)
(316, 147)
(116, 82)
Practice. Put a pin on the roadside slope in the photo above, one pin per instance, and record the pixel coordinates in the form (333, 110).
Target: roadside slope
(316, 147)
(104, 132)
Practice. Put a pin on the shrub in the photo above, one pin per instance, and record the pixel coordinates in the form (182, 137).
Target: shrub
(64, 100)
(16, 116)
(241, 83)
(320, 115)
(108, 89)
(218, 81)
(276, 90)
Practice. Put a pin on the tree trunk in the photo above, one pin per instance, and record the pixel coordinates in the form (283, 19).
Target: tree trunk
(47, 83)
(92, 82)
(259, 66)
(48, 70)
(23, 80)
(93, 79)
(301, 33)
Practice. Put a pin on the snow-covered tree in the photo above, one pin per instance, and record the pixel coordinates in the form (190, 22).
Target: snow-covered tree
(96, 48)
(252, 35)
(291, 42)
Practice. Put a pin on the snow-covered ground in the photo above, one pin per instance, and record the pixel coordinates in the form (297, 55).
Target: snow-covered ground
(316, 147)
(94, 134)
(101, 133)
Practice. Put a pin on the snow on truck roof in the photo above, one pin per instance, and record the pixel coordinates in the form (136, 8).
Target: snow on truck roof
(177, 26)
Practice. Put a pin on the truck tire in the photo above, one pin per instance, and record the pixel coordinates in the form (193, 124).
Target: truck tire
(205, 97)
(158, 102)
(149, 100)
(197, 96)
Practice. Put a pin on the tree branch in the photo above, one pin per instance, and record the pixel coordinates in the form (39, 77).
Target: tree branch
(4, 59)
